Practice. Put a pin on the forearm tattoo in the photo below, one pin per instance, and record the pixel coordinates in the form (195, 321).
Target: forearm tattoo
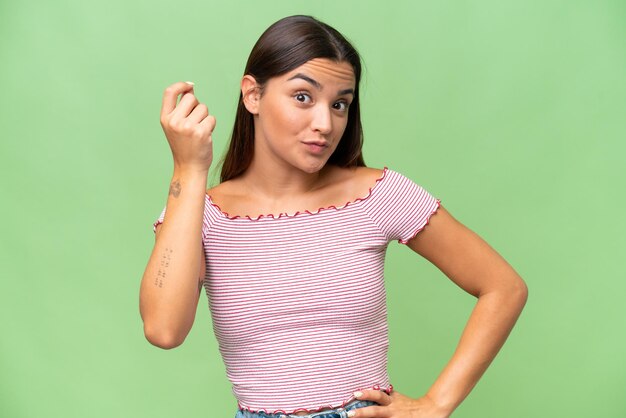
(164, 264)
(175, 188)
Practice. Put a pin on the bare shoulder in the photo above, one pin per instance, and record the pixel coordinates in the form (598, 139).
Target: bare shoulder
(348, 184)
(228, 195)
(357, 178)
(227, 188)
(369, 174)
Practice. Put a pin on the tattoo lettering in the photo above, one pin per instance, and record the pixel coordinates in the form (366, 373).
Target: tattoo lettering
(164, 264)
(175, 188)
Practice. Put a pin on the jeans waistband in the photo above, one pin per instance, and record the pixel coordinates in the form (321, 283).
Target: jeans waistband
(341, 412)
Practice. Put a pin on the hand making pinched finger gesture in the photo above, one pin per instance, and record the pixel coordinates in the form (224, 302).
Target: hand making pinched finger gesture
(188, 127)
(396, 405)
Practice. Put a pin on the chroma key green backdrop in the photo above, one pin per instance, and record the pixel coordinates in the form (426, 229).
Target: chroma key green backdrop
(512, 113)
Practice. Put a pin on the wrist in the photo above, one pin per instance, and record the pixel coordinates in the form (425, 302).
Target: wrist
(190, 172)
(188, 182)
(444, 408)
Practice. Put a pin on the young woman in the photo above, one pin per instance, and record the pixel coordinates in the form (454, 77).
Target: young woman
(290, 245)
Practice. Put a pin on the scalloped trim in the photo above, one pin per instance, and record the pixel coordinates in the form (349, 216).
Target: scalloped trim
(437, 206)
(306, 212)
(387, 390)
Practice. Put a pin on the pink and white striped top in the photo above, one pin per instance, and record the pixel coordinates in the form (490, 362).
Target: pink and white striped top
(298, 301)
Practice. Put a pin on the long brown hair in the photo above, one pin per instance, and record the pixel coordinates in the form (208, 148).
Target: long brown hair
(284, 46)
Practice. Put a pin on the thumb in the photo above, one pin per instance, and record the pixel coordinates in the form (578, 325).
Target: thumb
(188, 90)
(192, 85)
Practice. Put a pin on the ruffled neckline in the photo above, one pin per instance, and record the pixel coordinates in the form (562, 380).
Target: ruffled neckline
(300, 213)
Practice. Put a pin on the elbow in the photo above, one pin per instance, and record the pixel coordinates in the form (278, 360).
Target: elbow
(162, 339)
(519, 291)
(512, 292)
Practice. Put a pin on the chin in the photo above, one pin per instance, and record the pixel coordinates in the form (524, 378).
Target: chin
(314, 168)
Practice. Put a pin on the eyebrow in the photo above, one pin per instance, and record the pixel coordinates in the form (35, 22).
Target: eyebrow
(318, 85)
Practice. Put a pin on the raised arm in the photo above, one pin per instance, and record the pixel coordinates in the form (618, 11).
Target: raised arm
(479, 270)
(170, 286)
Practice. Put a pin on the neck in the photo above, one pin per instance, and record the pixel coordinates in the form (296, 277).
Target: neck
(275, 181)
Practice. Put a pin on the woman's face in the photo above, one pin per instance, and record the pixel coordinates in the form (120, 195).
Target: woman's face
(301, 115)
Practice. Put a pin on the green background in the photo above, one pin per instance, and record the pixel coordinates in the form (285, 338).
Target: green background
(512, 113)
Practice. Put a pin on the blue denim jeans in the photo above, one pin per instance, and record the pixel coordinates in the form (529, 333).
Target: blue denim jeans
(329, 413)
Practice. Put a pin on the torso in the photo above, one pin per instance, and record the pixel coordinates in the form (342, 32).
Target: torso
(339, 186)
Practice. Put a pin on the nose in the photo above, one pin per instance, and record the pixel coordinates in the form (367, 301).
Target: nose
(322, 120)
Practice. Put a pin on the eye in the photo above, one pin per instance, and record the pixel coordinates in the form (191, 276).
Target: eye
(302, 97)
(342, 106)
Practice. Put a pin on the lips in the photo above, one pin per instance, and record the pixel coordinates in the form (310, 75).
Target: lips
(316, 147)
(323, 144)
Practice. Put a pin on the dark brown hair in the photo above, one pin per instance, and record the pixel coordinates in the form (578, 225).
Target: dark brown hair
(284, 46)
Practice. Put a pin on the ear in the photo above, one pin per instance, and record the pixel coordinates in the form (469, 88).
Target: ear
(251, 93)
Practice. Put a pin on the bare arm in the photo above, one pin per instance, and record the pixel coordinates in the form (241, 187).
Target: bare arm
(171, 282)
(479, 270)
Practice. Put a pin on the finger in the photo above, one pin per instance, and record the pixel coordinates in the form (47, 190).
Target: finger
(377, 396)
(208, 123)
(198, 113)
(373, 411)
(187, 103)
(170, 95)
(188, 96)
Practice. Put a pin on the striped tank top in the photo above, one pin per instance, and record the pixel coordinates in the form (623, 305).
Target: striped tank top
(298, 302)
